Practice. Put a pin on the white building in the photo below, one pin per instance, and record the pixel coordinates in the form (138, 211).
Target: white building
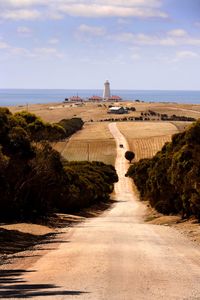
(106, 92)
(117, 110)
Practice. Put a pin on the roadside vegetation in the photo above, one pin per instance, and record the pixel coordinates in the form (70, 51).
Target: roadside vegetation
(39, 130)
(35, 180)
(171, 179)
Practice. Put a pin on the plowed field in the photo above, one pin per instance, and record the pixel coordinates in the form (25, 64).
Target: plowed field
(145, 139)
(93, 142)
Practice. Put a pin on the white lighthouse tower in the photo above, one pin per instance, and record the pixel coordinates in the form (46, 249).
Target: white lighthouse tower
(106, 92)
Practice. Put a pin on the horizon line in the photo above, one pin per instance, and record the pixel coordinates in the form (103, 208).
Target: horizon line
(91, 89)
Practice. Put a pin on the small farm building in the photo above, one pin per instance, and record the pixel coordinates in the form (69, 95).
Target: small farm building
(117, 110)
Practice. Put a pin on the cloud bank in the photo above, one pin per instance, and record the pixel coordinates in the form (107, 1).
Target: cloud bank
(37, 9)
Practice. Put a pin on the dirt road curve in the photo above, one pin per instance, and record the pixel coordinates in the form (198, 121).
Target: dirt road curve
(113, 257)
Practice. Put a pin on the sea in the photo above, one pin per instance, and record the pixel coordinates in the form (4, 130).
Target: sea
(34, 96)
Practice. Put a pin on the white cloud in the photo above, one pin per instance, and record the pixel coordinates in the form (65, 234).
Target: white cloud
(42, 52)
(96, 10)
(179, 56)
(150, 3)
(186, 54)
(167, 39)
(17, 51)
(92, 30)
(122, 21)
(46, 52)
(47, 3)
(53, 41)
(3, 45)
(20, 14)
(24, 31)
(177, 33)
(32, 9)
(135, 56)
(53, 15)
(23, 3)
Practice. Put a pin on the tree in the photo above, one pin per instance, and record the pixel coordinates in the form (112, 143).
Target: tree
(129, 155)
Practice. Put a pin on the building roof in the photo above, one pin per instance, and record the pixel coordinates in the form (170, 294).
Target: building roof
(115, 97)
(75, 98)
(116, 108)
(95, 98)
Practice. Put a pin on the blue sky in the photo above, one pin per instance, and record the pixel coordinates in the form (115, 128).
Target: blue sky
(136, 44)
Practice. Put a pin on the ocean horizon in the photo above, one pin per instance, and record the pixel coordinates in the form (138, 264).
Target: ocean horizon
(35, 96)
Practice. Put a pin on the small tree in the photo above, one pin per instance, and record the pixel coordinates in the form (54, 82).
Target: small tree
(129, 155)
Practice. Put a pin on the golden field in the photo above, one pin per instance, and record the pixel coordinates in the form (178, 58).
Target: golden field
(54, 112)
(95, 141)
(145, 139)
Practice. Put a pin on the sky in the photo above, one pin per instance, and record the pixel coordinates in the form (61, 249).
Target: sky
(78, 44)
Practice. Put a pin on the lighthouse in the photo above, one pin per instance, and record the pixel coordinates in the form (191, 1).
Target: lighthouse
(106, 92)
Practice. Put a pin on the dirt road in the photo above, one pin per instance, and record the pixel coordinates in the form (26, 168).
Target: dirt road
(113, 257)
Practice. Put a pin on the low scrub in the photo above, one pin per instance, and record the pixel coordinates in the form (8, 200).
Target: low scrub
(171, 179)
(39, 130)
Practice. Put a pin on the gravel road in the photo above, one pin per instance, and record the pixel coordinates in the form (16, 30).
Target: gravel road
(114, 257)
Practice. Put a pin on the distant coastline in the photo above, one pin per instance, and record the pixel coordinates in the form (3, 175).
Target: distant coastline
(36, 96)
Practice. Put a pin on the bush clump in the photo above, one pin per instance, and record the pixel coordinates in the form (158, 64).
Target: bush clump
(35, 181)
(39, 130)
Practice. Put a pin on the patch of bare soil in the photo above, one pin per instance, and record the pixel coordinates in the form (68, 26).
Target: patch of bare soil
(19, 237)
(189, 227)
(13, 241)
(29, 228)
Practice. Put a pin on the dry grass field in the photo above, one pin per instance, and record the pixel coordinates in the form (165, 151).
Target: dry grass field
(147, 138)
(94, 143)
(54, 112)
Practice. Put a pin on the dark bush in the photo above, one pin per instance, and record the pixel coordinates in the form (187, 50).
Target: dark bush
(34, 181)
(129, 155)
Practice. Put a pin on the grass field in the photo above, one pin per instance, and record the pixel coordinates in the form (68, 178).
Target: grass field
(93, 142)
(54, 112)
(147, 138)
